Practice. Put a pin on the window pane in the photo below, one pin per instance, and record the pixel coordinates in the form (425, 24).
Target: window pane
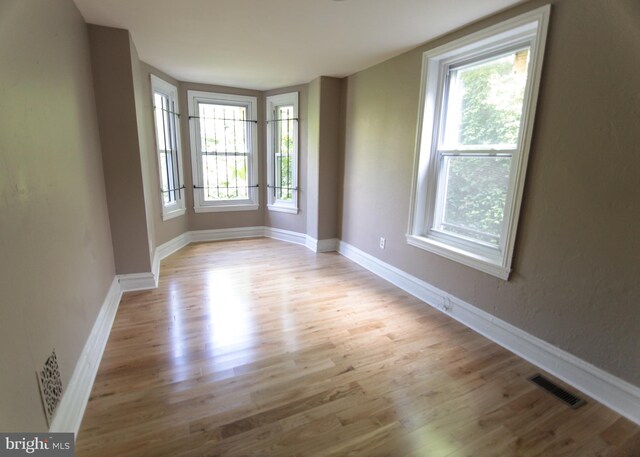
(284, 151)
(224, 142)
(223, 128)
(167, 149)
(473, 195)
(164, 177)
(159, 103)
(484, 102)
(225, 177)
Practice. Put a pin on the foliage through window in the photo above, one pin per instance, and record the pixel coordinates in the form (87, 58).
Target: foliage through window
(475, 124)
(481, 121)
(223, 151)
(167, 130)
(282, 152)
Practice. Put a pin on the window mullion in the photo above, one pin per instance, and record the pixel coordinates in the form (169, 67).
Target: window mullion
(476, 152)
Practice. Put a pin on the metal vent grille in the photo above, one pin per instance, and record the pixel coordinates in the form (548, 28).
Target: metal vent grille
(50, 384)
(557, 391)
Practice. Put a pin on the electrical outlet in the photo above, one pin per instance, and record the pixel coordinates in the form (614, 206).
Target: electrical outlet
(382, 242)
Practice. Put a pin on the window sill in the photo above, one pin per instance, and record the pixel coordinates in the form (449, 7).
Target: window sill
(172, 214)
(221, 208)
(283, 209)
(480, 262)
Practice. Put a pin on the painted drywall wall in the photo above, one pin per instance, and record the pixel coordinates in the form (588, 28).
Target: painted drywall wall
(313, 157)
(329, 155)
(144, 124)
(113, 77)
(324, 113)
(55, 245)
(287, 221)
(577, 257)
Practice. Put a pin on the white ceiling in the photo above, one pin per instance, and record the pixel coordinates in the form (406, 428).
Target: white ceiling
(265, 44)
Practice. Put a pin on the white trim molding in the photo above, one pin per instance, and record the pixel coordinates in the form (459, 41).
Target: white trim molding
(275, 127)
(166, 118)
(428, 228)
(609, 390)
(76, 394)
(165, 250)
(137, 281)
(326, 245)
(250, 104)
(311, 243)
(225, 234)
(285, 235)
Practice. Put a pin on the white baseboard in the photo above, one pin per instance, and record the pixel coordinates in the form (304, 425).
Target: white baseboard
(225, 234)
(138, 281)
(74, 400)
(165, 250)
(328, 245)
(609, 390)
(311, 243)
(285, 235)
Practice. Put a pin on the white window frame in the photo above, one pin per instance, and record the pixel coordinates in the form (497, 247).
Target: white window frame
(528, 29)
(274, 102)
(178, 207)
(250, 103)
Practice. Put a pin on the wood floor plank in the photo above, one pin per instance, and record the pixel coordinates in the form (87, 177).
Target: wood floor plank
(261, 348)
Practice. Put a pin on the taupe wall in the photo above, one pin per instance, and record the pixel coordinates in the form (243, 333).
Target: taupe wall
(329, 155)
(146, 146)
(57, 262)
(324, 113)
(286, 221)
(577, 259)
(113, 76)
(313, 157)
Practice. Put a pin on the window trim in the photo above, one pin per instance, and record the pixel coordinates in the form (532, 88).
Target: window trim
(273, 102)
(530, 29)
(251, 103)
(162, 87)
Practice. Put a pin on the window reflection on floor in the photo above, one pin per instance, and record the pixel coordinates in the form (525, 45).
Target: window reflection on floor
(231, 325)
(177, 336)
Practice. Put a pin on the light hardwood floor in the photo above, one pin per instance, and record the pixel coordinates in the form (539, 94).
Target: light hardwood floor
(263, 348)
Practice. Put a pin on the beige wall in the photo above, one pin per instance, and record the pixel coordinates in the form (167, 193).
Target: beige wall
(313, 157)
(113, 77)
(329, 155)
(146, 146)
(577, 258)
(57, 262)
(324, 113)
